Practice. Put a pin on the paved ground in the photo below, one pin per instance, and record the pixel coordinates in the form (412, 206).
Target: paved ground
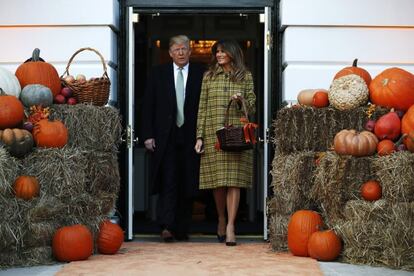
(328, 268)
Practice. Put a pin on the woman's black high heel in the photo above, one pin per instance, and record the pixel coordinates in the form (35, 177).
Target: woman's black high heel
(220, 238)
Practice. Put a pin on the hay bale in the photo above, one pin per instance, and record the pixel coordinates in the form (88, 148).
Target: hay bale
(278, 224)
(375, 239)
(313, 129)
(292, 180)
(9, 170)
(338, 179)
(90, 127)
(27, 257)
(395, 172)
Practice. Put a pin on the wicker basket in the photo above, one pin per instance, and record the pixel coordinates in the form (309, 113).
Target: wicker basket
(95, 90)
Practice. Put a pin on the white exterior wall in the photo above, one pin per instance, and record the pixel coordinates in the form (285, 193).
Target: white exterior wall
(323, 36)
(59, 28)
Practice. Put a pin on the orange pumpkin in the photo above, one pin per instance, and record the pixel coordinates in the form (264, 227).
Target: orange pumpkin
(50, 134)
(371, 190)
(26, 187)
(386, 147)
(11, 111)
(324, 245)
(37, 71)
(394, 87)
(72, 243)
(301, 225)
(320, 99)
(354, 69)
(408, 140)
(350, 142)
(110, 237)
(407, 127)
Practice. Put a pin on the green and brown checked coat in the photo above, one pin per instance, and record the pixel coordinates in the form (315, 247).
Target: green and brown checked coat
(219, 168)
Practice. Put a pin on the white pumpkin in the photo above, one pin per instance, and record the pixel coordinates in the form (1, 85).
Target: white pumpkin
(348, 92)
(9, 83)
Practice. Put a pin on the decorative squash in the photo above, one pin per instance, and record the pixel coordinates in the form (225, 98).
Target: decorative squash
(18, 142)
(36, 71)
(320, 99)
(388, 126)
(11, 111)
(72, 243)
(9, 83)
(407, 121)
(50, 134)
(348, 92)
(324, 245)
(26, 187)
(354, 69)
(371, 190)
(301, 225)
(353, 143)
(36, 94)
(110, 237)
(386, 147)
(394, 87)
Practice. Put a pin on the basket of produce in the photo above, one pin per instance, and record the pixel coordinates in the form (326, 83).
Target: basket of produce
(94, 90)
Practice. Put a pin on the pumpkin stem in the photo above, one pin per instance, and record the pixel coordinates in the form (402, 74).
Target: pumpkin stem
(36, 54)
(354, 64)
(399, 142)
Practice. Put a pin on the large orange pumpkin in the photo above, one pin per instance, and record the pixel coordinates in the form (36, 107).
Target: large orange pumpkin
(37, 71)
(11, 111)
(301, 225)
(371, 190)
(26, 187)
(50, 134)
(354, 69)
(350, 142)
(110, 237)
(394, 87)
(324, 245)
(72, 243)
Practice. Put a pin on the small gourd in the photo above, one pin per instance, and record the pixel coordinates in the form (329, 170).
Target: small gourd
(348, 92)
(17, 141)
(26, 187)
(350, 142)
(36, 94)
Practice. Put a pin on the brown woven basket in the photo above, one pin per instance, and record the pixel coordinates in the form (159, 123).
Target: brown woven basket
(95, 90)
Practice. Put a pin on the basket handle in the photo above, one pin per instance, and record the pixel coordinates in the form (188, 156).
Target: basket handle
(81, 50)
(226, 115)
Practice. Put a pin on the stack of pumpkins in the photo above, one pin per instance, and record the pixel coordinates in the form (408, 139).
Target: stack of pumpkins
(25, 99)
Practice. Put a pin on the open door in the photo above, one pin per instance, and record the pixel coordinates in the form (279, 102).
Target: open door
(130, 137)
(267, 110)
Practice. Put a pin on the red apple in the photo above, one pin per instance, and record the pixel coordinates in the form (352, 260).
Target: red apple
(59, 99)
(66, 91)
(72, 101)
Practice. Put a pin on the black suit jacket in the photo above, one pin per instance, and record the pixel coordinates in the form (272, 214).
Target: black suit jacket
(159, 118)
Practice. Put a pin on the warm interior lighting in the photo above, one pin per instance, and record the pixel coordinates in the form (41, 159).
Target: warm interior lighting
(201, 47)
(158, 43)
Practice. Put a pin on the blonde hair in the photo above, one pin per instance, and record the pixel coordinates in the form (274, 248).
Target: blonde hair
(235, 53)
(179, 39)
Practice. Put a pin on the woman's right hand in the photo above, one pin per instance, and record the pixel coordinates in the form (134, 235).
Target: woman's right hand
(199, 146)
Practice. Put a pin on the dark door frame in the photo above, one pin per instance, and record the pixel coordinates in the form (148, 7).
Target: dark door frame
(187, 6)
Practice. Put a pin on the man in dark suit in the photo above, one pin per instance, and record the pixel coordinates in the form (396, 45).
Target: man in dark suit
(168, 124)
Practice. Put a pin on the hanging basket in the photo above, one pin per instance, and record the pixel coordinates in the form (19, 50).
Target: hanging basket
(94, 90)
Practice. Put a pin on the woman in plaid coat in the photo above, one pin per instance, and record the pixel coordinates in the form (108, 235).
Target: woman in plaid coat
(224, 172)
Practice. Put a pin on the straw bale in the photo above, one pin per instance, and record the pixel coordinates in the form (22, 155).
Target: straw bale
(313, 129)
(292, 180)
(370, 238)
(395, 172)
(27, 257)
(9, 169)
(90, 127)
(338, 179)
(103, 172)
(278, 224)
(60, 172)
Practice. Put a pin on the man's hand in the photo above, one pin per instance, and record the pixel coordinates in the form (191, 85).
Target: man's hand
(150, 144)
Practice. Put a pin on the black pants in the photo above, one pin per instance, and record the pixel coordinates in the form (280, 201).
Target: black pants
(174, 206)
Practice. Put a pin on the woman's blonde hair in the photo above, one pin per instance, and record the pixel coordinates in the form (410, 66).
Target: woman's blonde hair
(235, 53)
